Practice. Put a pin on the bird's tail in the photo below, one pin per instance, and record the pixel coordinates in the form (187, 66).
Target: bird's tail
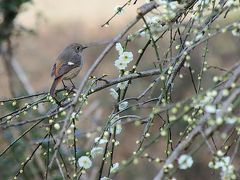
(54, 85)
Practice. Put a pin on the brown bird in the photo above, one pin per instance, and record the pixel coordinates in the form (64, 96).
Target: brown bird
(68, 65)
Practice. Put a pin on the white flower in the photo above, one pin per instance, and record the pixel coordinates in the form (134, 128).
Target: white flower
(226, 160)
(185, 161)
(126, 57)
(114, 93)
(57, 126)
(100, 141)
(210, 109)
(96, 151)
(225, 92)
(219, 120)
(121, 65)
(123, 105)
(153, 20)
(223, 163)
(122, 85)
(173, 5)
(220, 153)
(105, 178)
(118, 9)
(188, 43)
(114, 168)
(84, 162)
(140, 51)
(228, 173)
(119, 48)
(168, 9)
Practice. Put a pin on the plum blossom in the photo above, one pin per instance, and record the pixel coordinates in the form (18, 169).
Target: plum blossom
(123, 105)
(100, 141)
(84, 162)
(119, 48)
(124, 57)
(96, 151)
(185, 161)
(114, 168)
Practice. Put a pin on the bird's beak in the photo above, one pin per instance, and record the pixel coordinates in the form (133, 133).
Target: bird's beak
(84, 47)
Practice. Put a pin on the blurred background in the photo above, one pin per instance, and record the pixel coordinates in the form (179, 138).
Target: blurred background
(54, 24)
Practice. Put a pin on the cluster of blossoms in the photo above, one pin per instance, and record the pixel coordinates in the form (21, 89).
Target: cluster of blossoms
(168, 9)
(86, 162)
(167, 12)
(124, 57)
(205, 103)
(224, 164)
(205, 100)
(154, 23)
(185, 161)
(207, 4)
(121, 63)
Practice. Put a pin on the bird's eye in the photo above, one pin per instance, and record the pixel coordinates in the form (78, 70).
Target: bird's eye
(77, 48)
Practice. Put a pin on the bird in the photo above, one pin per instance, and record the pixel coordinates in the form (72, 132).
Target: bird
(67, 66)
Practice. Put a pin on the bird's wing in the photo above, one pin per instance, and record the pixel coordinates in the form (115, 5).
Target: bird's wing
(62, 68)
